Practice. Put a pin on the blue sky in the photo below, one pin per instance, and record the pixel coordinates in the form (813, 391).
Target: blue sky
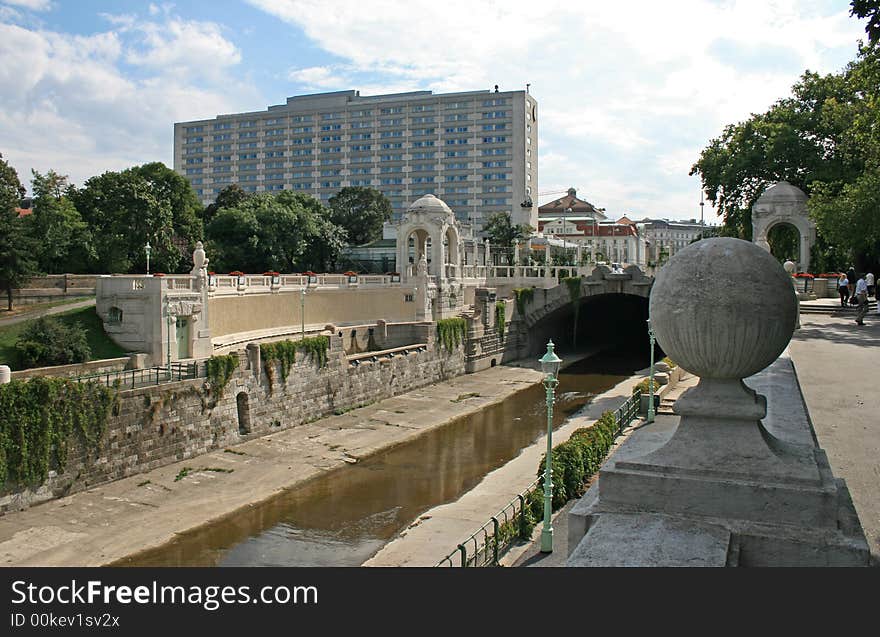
(628, 92)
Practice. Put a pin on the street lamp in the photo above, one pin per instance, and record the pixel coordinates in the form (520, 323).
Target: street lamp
(147, 249)
(651, 376)
(550, 363)
(564, 246)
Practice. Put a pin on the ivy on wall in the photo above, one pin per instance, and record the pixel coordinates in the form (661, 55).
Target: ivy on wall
(219, 370)
(523, 296)
(284, 352)
(500, 318)
(38, 418)
(451, 332)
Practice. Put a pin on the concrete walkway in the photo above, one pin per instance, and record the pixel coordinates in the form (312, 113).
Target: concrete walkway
(438, 531)
(119, 519)
(838, 367)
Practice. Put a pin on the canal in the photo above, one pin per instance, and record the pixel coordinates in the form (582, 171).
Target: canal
(343, 517)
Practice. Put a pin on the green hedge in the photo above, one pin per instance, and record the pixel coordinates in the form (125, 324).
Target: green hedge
(573, 463)
(500, 318)
(523, 296)
(37, 419)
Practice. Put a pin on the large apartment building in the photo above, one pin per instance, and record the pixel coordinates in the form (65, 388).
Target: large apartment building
(477, 150)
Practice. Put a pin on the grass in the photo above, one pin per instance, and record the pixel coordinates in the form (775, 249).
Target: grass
(19, 310)
(100, 344)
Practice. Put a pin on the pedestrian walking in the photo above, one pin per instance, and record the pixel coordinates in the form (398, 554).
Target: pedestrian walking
(862, 296)
(851, 279)
(869, 279)
(843, 289)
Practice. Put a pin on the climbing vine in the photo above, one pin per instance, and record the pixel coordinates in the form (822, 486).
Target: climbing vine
(523, 296)
(574, 293)
(38, 418)
(451, 332)
(219, 370)
(284, 352)
(500, 318)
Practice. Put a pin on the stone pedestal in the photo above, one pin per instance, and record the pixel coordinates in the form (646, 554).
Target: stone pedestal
(721, 489)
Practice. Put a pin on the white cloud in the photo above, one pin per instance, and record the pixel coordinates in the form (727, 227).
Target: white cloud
(33, 5)
(630, 92)
(80, 111)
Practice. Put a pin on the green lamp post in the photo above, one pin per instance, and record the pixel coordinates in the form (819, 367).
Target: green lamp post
(550, 364)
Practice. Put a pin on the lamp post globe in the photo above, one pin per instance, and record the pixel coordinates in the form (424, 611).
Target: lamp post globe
(550, 364)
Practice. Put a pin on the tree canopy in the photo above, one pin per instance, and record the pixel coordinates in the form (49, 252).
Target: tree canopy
(127, 209)
(284, 232)
(823, 139)
(17, 263)
(361, 212)
(503, 233)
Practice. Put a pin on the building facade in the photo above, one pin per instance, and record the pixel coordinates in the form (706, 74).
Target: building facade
(477, 150)
(665, 237)
(579, 224)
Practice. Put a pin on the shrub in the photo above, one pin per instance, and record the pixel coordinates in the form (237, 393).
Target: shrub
(574, 462)
(219, 370)
(451, 332)
(48, 341)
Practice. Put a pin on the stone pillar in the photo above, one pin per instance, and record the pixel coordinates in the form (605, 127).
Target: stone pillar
(5, 374)
(253, 356)
(488, 261)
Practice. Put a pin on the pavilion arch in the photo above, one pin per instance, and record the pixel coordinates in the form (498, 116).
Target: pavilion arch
(784, 203)
(432, 226)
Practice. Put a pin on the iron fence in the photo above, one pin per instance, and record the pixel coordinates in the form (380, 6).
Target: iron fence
(134, 378)
(486, 545)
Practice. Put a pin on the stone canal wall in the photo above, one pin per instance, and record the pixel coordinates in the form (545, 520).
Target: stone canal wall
(158, 425)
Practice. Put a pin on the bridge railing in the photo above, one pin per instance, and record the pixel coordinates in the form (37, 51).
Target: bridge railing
(486, 545)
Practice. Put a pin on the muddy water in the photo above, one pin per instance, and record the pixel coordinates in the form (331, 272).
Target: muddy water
(344, 517)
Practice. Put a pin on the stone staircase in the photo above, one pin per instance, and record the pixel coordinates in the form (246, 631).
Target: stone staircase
(665, 407)
(849, 310)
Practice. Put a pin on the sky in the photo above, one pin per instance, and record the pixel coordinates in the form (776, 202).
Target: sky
(628, 93)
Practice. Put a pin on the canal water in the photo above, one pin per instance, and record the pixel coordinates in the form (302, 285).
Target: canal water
(342, 518)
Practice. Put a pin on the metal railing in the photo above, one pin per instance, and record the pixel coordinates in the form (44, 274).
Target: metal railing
(134, 378)
(486, 545)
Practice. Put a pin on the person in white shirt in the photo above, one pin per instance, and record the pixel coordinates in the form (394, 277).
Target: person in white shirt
(869, 279)
(843, 288)
(862, 296)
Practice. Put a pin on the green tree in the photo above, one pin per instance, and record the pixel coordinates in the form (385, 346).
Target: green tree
(17, 263)
(868, 9)
(503, 234)
(285, 232)
(61, 238)
(126, 209)
(228, 197)
(48, 341)
(824, 139)
(361, 212)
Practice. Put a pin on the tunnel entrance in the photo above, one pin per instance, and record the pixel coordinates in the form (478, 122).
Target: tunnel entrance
(613, 321)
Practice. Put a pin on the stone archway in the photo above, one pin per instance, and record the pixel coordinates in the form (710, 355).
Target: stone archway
(784, 203)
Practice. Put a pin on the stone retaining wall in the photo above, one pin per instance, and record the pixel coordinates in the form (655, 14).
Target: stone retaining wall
(54, 287)
(154, 426)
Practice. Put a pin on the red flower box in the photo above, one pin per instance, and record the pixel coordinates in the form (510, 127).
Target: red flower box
(236, 273)
(158, 274)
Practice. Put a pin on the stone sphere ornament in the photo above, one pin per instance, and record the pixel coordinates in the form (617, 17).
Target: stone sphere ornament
(723, 308)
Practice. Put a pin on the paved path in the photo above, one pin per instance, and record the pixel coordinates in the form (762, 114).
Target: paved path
(838, 367)
(58, 309)
(115, 520)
